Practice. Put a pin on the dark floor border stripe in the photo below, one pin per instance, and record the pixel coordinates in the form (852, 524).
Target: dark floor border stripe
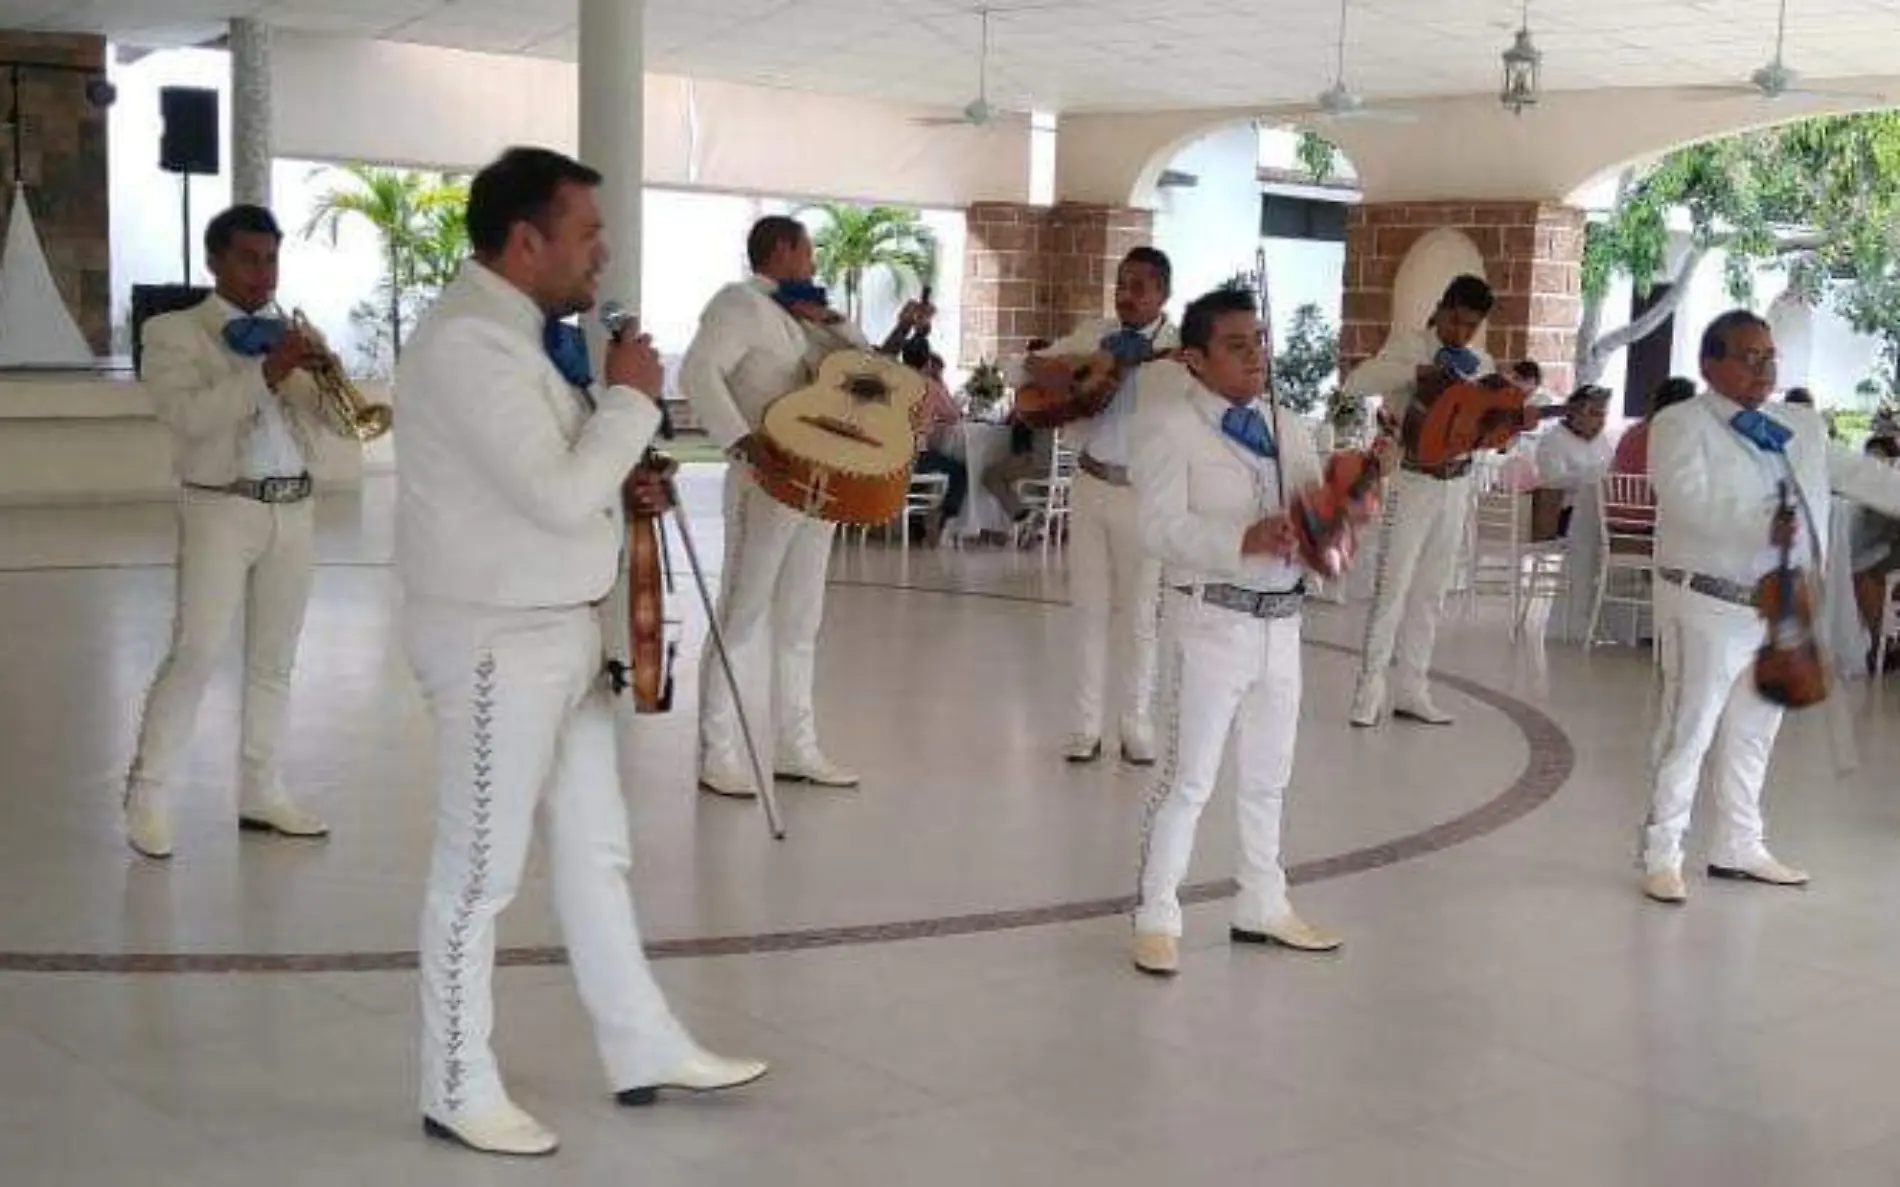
(1552, 759)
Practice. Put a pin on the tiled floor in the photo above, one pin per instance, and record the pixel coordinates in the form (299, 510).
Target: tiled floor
(1507, 1010)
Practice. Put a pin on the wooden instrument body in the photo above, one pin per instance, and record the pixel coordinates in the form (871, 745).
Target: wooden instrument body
(1094, 379)
(1327, 515)
(1446, 422)
(840, 449)
(652, 638)
(1789, 668)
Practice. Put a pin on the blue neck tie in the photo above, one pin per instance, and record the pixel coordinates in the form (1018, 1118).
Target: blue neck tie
(253, 337)
(567, 350)
(1129, 346)
(1764, 432)
(1243, 423)
(794, 292)
(1460, 361)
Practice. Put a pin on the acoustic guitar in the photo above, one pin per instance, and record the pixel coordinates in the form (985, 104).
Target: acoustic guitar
(1093, 380)
(840, 449)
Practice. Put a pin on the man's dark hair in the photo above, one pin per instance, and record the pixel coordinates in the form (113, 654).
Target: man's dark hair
(768, 235)
(1589, 393)
(520, 186)
(242, 219)
(1672, 391)
(1157, 259)
(1528, 370)
(1882, 446)
(1799, 395)
(1204, 313)
(1036, 344)
(1468, 292)
(915, 354)
(1715, 338)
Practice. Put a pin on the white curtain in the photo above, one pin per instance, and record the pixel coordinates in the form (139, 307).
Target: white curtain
(36, 328)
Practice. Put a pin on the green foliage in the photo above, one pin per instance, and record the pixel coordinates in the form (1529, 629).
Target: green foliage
(1310, 359)
(1317, 155)
(855, 240)
(985, 388)
(420, 220)
(1818, 199)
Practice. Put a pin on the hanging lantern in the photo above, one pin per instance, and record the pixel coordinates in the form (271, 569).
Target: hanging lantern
(1522, 66)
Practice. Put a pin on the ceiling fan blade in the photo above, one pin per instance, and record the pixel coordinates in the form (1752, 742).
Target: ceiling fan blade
(1843, 96)
(1723, 92)
(943, 122)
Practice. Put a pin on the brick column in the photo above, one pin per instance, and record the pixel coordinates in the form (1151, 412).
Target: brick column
(63, 164)
(1533, 259)
(1033, 271)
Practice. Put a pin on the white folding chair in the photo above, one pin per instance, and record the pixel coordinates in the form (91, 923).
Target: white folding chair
(1626, 540)
(1046, 499)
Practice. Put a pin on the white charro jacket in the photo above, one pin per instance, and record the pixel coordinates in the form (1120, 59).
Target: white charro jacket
(508, 486)
(1198, 493)
(747, 352)
(1716, 493)
(209, 395)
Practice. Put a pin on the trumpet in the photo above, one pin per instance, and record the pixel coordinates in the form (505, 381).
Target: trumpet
(347, 411)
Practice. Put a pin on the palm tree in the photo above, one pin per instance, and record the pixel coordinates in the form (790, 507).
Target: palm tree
(415, 215)
(857, 239)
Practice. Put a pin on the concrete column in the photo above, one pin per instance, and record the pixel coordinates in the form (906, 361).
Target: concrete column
(612, 125)
(250, 112)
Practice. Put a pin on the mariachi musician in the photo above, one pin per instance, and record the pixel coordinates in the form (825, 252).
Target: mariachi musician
(1426, 508)
(1115, 583)
(760, 339)
(508, 530)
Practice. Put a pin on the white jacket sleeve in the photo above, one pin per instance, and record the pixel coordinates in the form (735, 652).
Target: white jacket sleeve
(1863, 480)
(1159, 461)
(185, 402)
(707, 370)
(496, 408)
(1679, 473)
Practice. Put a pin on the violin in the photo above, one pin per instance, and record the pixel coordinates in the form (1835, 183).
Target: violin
(1453, 416)
(1326, 515)
(652, 649)
(1789, 670)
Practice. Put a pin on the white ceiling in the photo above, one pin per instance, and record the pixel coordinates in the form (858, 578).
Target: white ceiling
(1071, 55)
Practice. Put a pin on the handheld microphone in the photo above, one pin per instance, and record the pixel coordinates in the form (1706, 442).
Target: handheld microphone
(615, 318)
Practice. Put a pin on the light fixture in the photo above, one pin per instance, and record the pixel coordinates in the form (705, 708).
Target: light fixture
(1523, 65)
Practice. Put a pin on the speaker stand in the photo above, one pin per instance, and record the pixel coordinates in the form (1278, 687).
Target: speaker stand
(185, 238)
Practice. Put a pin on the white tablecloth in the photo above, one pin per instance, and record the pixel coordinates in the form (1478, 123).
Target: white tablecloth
(980, 446)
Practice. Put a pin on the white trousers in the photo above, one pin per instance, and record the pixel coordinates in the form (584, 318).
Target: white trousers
(1709, 699)
(771, 604)
(1114, 588)
(522, 718)
(1419, 544)
(234, 554)
(1228, 673)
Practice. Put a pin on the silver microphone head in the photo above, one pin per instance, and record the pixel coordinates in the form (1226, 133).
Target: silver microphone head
(615, 317)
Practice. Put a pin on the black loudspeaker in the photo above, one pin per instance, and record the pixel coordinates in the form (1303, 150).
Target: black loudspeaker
(150, 300)
(190, 141)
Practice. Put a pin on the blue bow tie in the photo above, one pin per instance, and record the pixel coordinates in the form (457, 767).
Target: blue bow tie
(567, 350)
(253, 337)
(1129, 346)
(1243, 423)
(1766, 433)
(1460, 361)
(794, 292)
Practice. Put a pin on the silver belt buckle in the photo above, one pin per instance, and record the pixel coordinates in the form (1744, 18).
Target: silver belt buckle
(280, 490)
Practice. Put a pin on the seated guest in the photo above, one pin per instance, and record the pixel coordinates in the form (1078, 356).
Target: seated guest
(1876, 553)
(935, 417)
(1031, 455)
(1632, 452)
(1528, 377)
(1575, 455)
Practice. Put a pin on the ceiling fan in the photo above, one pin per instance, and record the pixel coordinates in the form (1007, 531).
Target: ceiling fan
(978, 112)
(1341, 102)
(1776, 81)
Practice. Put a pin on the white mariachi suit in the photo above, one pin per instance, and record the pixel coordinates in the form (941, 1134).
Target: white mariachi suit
(509, 530)
(1716, 495)
(747, 353)
(1114, 584)
(236, 551)
(1419, 541)
(1229, 670)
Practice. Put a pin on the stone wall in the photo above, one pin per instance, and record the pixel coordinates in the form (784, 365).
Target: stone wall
(63, 164)
(1034, 271)
(1533, 258)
